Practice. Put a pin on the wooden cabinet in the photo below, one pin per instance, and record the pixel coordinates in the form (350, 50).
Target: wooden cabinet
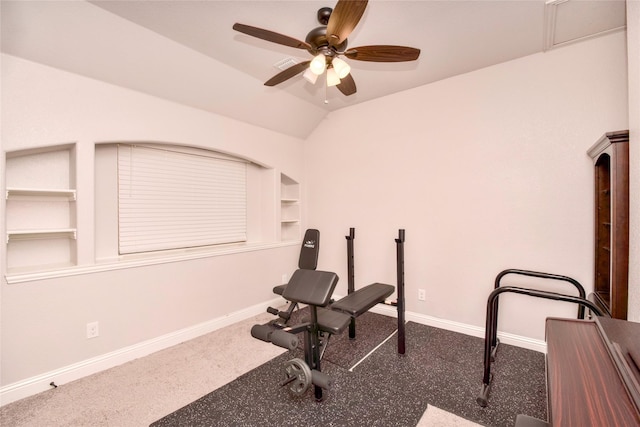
(611, 170)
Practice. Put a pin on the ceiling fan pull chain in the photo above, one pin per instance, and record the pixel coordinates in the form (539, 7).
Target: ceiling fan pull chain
(326, 101)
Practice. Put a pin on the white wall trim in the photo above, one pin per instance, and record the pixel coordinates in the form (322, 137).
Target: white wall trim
(476, 331)
(30, 386)
(137, 260)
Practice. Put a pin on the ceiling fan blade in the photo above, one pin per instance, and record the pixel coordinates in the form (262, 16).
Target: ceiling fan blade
(287, 74)
(270, 36)
(383, 53)
(343, 20)
(347, 85)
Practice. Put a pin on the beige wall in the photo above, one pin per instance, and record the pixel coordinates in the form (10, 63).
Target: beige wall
(43, 321)
(485, 171)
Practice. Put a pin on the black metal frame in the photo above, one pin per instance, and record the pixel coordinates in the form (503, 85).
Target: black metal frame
(400, 290)
(283, 316)
(351, 276)
(313, 346)
(400, 303)
(491, 342)
(494, 326)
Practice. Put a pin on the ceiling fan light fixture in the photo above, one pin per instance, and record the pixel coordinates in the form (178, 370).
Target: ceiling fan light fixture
(332, 77)
(327, 42)
(310, 76)
(318, 64)
(342, 68)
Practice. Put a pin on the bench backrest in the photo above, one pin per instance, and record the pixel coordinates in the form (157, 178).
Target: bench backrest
(309, 251)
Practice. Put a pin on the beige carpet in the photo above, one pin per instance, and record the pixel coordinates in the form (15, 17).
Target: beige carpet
(144, 390)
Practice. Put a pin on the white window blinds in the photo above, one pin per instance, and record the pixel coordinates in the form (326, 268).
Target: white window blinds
(169, 199)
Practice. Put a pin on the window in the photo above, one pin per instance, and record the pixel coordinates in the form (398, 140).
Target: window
(170, 198)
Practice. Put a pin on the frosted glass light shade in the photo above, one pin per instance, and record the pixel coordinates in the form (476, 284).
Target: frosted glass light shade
(341, 67)
(318, 64)
(332, 77)
(310, 76)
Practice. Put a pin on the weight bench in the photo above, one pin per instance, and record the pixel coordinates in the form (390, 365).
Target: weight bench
(338, 315)
(313, 288)
(308, 260)
(357, 302)
(353, 305)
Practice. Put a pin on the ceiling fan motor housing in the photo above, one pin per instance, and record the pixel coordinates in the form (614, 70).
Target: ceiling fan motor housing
(317, 38)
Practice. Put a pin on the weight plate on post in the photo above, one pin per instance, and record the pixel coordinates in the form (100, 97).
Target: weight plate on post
(298, 375)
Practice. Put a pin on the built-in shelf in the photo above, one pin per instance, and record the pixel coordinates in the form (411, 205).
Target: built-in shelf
(41, 192)
(69, 233)
(41, 208)
(289, 209)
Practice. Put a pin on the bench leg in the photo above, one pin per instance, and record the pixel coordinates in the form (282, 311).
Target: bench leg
(312, 348)
(352, 329)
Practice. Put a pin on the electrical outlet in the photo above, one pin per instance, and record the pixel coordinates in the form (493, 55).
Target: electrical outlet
(92, 330)
(422, 295)
(285, 279)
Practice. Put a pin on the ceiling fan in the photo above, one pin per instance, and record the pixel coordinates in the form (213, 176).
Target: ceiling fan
(328, 43)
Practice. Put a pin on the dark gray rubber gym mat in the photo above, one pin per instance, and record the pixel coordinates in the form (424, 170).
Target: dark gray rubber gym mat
(254, 399)
(440, 368)
(446, 368)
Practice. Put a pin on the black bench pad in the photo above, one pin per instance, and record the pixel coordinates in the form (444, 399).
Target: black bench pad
(311, 287)
(363, 299)
(333, 322)
(279, 289)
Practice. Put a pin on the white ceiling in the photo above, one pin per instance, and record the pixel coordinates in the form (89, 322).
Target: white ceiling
(187, 52)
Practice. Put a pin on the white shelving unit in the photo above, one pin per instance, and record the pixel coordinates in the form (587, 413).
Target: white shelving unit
(40, 209)
(289, 209)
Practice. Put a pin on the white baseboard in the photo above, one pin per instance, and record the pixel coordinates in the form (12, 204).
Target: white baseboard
(475, 331)
(30, 386)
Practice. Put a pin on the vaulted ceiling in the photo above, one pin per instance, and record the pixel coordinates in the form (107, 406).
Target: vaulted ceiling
(186, 51)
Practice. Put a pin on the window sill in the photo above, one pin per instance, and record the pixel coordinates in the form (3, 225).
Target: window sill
(140, 260)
